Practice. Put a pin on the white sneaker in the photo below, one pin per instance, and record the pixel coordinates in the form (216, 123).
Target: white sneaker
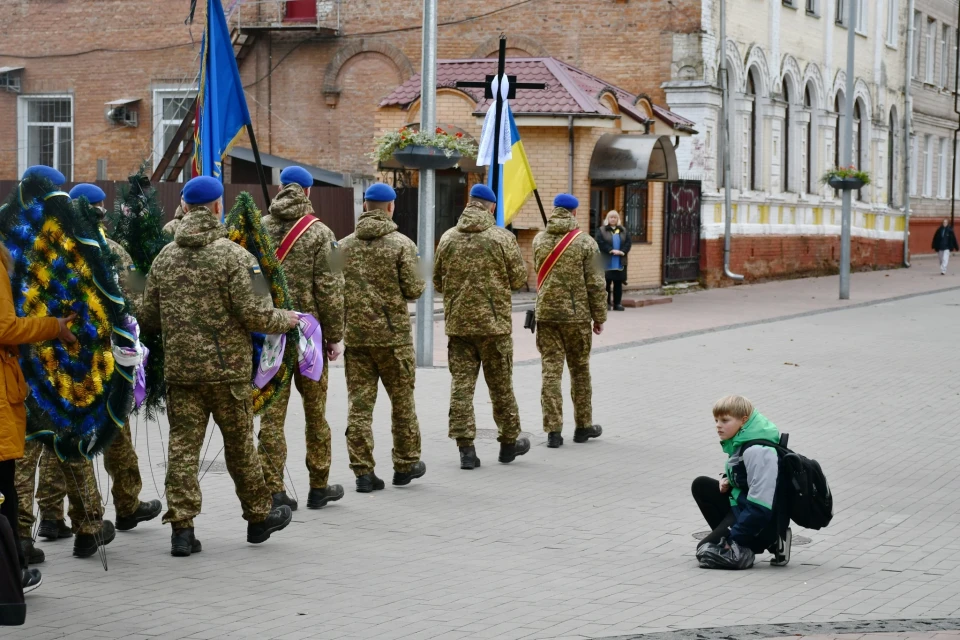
(31, 580)
(782, 556)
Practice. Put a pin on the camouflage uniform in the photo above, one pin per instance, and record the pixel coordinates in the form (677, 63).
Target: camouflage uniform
(381, 273)
(170, 228)
(80, 481)
(571, 297)
(477, 266)
(316, 287)
(201, 291)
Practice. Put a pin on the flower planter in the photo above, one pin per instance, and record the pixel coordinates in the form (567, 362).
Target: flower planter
(418, 157)
(846, 184)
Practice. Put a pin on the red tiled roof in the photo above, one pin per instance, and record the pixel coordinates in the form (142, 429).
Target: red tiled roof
(569, 91)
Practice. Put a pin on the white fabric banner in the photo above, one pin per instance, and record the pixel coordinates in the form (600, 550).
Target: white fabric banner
(485, 152)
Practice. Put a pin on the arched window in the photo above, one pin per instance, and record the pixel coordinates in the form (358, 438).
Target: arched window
(892, 135)
(838, 106)
(751, 125)
(787, 123)
(858, 144)
(806, 164)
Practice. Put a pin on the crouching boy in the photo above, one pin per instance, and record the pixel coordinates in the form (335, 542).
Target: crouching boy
(740, 508)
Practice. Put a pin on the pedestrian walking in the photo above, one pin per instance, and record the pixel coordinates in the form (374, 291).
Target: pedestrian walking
(614, 243)
(381, 272)
(945, 241)
(201, 293)
(570, 297)
(477, 267)
(307, 249)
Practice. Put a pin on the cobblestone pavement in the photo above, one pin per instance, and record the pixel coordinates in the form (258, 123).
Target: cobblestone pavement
(591, 540)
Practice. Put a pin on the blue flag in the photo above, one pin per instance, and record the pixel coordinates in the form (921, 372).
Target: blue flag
(221, 106)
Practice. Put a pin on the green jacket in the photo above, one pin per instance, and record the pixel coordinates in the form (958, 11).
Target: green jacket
(381, 272)
(575, 290)
(201, 294)
(757, 427)
(313, 275)
(477, 266)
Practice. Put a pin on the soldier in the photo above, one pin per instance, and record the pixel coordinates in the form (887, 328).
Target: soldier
(307, 249)
(381, 273)
(478, 265)
(208, 295)
(570, 295)
(78, 479)
(170, 229)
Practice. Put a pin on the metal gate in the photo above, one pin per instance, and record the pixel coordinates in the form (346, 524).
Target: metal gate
(681, 242)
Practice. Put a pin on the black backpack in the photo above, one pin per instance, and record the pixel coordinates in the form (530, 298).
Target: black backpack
(800, 484)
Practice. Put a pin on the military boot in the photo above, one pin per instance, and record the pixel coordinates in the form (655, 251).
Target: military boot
(318, 498)
(183, 542)
(278, 519)
(86, 544)
(145, 511)
(54, 530)
(368, 483)
(281, 499)
(31, 552)
(401, 478)
(582, 434)
(554, 440)
(468, 458)
(510, 450)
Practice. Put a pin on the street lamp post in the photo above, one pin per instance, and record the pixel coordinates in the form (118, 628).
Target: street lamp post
(425, 221)
(845, 220)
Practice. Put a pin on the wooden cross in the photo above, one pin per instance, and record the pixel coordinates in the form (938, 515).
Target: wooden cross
(487, 85)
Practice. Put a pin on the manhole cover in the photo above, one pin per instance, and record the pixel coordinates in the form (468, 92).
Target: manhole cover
(492, 434)
(206, 466)
(797, 540)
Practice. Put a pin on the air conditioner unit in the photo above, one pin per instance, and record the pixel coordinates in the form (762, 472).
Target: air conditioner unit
(123, 115)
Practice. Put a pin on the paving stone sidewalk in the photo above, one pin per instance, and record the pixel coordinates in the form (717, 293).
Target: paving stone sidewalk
(587, 541)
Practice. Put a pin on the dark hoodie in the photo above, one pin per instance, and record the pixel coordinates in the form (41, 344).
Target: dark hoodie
(381, 272)
(200, 293)
(477, 266)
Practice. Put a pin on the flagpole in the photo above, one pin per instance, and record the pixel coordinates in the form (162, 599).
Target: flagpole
(540, 204)
(256, 158)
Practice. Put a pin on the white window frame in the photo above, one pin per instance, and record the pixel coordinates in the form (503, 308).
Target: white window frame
(841, 12)
(22, 123)
(917, 22)
(943, 156)
(893, 15)
(862, 17)
(928, 166)
(813, 8)
(944, 54)
(931, 62)
(914, 166)
(159, 93)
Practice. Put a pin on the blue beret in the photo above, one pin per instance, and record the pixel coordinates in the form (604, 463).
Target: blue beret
(43, 171)
(201, 190)
(91, 192)
(483, 192)
(566, 201)
(380, 192)
(298, 175)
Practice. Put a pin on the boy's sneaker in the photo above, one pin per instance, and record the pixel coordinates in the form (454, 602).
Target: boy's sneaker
(30, 579)
(781, 551)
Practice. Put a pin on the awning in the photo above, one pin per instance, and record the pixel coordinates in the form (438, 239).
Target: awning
(122, 102)
(621, 158)
(275, 162)
(10, 69)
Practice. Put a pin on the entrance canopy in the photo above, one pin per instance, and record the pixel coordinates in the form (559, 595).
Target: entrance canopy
(622, 158)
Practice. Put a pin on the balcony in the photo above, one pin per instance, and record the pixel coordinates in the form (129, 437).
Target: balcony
(321, 16)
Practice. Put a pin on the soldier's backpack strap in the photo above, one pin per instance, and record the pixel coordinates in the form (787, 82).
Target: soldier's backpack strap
(294, 234)
(551, 260)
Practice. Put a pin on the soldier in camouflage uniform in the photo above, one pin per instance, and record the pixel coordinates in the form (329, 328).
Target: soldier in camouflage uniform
(569, 298)
(381, 273)
(207, 295)
(170, 228)
(316, 286)
(477, 266)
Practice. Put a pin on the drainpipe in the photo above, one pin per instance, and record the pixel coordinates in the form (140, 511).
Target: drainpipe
(570, 177)
(727, 203)
(907, 124)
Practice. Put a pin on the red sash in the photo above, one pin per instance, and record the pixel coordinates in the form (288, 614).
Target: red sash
(551, 260)
(294, 234)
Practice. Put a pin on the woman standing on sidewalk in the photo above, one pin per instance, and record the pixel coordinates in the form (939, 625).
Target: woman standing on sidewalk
(614, 244)
(945, 241)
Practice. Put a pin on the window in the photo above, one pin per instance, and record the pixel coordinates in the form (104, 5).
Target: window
(635, 210)
(917, 21)
(860, 143)
(806, 164)
(942, 157)
(812, 8)
(914, 161)
(170, 106)
(752, 127)
(893, 11)
(944, 56)
(46, 133)
(790, 3)
(891, 162)
(928, 166)
(785, 182)
(931, 39)
(862, 17)
(841, 17)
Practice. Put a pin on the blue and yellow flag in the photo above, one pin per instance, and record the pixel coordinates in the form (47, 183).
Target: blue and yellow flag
(221, 106)
(516, 178)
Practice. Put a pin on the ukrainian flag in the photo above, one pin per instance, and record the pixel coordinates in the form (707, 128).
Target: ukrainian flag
(221, 106)
(516, 178)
